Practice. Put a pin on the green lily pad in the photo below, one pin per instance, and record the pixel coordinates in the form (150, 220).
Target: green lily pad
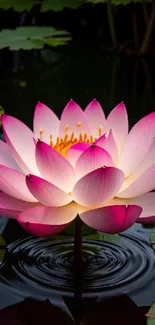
(18, 5)
(110, 237)
(152, 238)
(104, 237)
(56, 5)
(117, 2)
(32, 37)
(2, 249)
(151, 315)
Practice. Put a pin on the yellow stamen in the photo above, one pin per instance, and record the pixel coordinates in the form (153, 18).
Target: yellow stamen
(80, 137)
(65, 138)
(51, 141)
(91, 139)
(79, 124)
(72, 137)
(62, 145)
(85, 137)
(100, 130)
(66, 128)
(41, 134)
(58, 139)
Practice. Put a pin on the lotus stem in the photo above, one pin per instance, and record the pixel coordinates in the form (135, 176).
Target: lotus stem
(78, 257)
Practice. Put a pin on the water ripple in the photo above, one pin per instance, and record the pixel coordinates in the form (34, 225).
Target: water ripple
(111, 268)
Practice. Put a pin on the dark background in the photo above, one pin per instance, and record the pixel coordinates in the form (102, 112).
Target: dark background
(88, 67)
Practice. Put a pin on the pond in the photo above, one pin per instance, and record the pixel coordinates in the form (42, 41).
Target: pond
(38, 269)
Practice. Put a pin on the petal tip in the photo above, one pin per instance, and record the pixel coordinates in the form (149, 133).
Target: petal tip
(5, 117)
(121, 105)
(39, 105)
(28, 176)
(151, 115)
(71, 104)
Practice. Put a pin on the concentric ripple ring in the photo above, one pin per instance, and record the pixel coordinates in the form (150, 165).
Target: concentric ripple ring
(108, 267)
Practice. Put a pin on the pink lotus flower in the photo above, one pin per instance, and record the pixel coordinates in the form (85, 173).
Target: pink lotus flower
(83, 164)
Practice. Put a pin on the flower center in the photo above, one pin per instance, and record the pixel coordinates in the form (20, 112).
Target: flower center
(63, 144)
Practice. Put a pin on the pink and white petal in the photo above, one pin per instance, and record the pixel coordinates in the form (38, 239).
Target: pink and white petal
(75, 152)
(145, 201)
(12, 207)
(147, 220)
(20, 141)
(40, 230)
(95, 115)
(138, 144)
(142, 168)
(13, 183)
(71, 116)
(46, 221)
(92, 158)
(9, 213)
(117, 121)
(135, 186)
(145, 164)
(107, 142)
(47, 193)
(6, 157)
(54, 167)
(45, 119)
(111, 219)
(98, 186)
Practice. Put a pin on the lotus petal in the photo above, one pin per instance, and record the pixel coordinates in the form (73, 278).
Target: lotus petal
(92, 158)
(12, 207)
(13, 183)
(138, 144)
(95, 115)
(147, 203)
(112, 219)
(108, 143)
(20, 141)
(75, 152)
(75, 119)
(117, 121)
(54, 167)
(47, 193)
(46, 120)
(46, 221)
(135, 186)
(6, 158)
(98, 186)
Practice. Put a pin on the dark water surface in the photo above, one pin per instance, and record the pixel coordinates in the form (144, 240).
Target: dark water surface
(43, 269)
(42, 265)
